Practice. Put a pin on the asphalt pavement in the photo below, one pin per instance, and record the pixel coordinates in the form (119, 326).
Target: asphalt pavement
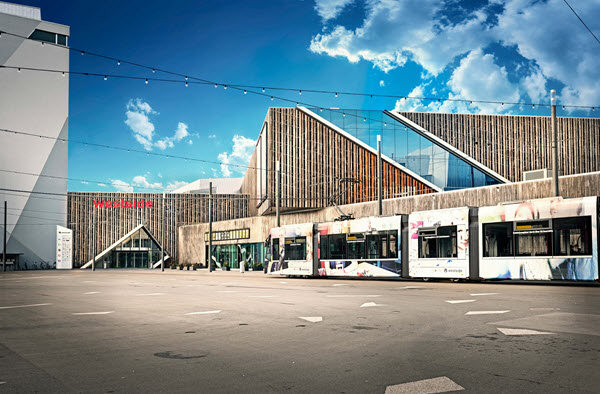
(194, 331)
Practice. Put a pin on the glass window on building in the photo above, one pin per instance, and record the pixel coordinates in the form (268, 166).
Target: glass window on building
(295, 248)
(125, 255)
(498, 239)
(573, 236)
(533, 238)
(45, 36)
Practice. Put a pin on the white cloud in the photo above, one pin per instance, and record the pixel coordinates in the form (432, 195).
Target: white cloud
(238, 159)
(212, 136)
(478, 77)
(122, 186)
(84, 182)
(214, 172)
(382, 83)
(141, 181)
(175, 185)
(159, 175)
(190, 142)
(139, 122)
(102, 185)
(551, 39)
(330, 9)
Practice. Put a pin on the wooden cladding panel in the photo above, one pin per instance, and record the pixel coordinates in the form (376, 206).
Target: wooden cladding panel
(511, 145)
(314, 157)
(95, 229)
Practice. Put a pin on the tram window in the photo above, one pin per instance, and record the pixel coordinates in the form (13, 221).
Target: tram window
(438, 243)
(323, 247)
(573, 236)
(295, 248)
(373, 245)
(356, 246)
(533, 238)
(393, 244)
(276, 249)
(498, 239)
(337, 246)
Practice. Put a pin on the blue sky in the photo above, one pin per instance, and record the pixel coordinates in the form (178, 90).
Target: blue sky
(482, 50)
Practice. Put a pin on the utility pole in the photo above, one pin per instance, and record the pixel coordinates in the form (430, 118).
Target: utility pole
(278, 192)
(210, 219)
(379, 202)
(554, 143)
(162, 234)
(4, 248)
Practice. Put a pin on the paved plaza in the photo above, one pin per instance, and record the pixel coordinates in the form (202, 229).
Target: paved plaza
(194, 331)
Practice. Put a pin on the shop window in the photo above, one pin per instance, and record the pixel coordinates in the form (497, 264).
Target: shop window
(295, 248)
(498, 239)
(573, 236)
(533, 238)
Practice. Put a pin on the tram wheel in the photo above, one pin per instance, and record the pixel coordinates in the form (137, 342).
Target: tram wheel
(425, 279)
(455, 280)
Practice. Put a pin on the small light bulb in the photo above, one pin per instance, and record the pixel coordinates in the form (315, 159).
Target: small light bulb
(216, 85)
(563, 107)
(82, 53)
(19, 69)
(300, 92)
(118, 62)
(224, 86)
(271, 98)
(263, 90)
(336, 94)
(364, 119)
(63, 73)
(385, 124)
(146, 81)
(186, 78)
(105, 78)
(42, 43)
(186, 84)
(533, 106)
(344, 115)
(245, 92)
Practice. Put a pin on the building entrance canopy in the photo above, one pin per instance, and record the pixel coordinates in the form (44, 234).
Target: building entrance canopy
(136, 249)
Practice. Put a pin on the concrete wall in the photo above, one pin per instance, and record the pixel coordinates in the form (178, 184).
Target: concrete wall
(38, 103)
(191, 238)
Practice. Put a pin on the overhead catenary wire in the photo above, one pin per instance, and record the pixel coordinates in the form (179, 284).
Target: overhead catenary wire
(582, 22)
(245, 87)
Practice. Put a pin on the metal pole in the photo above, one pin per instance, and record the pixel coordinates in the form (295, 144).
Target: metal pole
(379, 202)
(554, 143)
(162, 234)
(278, 192)
(4, 247)
(210, 219)
(94, 241)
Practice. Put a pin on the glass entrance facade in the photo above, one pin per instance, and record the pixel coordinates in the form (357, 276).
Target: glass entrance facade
(251, 254)
(137, 251)
(409, 148)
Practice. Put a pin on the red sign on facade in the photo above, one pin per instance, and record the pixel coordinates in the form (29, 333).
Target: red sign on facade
(123, 204)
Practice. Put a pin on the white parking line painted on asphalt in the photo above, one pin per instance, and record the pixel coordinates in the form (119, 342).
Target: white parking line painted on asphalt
(226, 291)
(202, 313)
(283, 282)
(22, 306)
(353, 295)
(93, 313)
(91, 292)
(436, 385)
(458, 301)
(89, 281)
(412, 287)
(312, 319)
(544, 309)
(151, 294)
(339, 284)
(482, 294)
(522, 331)
(370, 304)
(261, 296)
(485, 312)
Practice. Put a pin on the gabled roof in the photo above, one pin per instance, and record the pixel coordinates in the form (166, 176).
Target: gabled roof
(119, 241)
(370, 149)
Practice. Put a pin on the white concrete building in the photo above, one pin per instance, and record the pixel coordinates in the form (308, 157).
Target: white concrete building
(33, 102)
